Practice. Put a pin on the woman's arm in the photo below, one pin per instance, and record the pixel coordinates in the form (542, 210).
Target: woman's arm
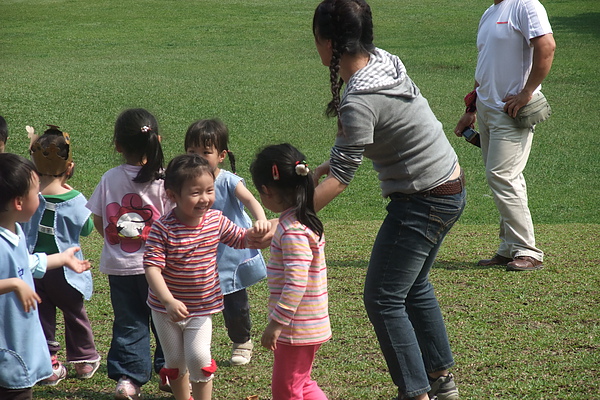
(327, 190)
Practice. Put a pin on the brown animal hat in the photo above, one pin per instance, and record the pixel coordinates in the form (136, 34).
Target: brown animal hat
(47, 159)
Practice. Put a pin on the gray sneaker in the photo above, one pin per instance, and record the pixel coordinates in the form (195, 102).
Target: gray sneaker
(443, 388)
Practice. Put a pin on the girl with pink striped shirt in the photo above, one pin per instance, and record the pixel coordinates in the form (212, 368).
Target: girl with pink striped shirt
(296, 273)
(181, 268)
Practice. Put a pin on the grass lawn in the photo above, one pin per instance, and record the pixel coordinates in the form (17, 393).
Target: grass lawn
(252, 63)
(514, 335)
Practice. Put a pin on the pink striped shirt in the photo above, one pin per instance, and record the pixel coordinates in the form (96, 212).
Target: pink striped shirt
(187, 256)
(297, 277)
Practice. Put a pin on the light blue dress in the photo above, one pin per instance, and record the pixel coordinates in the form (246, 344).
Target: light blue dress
(24, 356)
(238, 268)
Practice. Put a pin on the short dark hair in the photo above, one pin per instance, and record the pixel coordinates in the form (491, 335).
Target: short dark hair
(210, 132)
(15, 178)
(184, 167)
(3, 129)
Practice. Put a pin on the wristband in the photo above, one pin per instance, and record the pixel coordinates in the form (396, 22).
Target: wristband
(471, 102)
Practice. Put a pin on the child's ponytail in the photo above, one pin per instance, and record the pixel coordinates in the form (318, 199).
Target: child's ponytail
(136, 132)
(283, 168)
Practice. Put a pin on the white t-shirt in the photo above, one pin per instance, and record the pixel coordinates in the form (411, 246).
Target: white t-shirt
(128, 210)
(505, 51)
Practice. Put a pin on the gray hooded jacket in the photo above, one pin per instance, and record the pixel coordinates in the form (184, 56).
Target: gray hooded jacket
(385, 118)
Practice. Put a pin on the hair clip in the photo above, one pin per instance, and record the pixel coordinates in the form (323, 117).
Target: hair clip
(146, 129)
(275, 172)
(302, 168)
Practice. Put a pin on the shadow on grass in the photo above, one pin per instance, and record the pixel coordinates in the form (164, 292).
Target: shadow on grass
(586, 23)
(461, 265)
(450, 265)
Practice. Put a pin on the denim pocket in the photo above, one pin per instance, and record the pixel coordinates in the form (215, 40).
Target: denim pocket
(443, 213)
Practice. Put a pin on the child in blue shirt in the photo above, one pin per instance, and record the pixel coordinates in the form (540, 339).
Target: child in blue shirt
(23, 350)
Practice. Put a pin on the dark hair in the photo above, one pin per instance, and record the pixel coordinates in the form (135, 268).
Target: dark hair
(207, 133)
(184, 167)
(276, 168)
(349, 26)
(3, 129)
(15, 178)
(136, 131)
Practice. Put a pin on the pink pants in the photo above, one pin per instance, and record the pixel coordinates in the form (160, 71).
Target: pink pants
(291, 373)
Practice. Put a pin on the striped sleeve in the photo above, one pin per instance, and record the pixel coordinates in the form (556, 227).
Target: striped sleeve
(296, 258)
(156, 244)
(231, 234)
(344, 162)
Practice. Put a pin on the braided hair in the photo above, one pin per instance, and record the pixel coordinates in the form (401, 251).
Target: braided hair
(349, 26)
(283, 169)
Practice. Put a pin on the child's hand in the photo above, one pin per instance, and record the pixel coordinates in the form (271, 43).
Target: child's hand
(257, 240)
(28, 298)
(262, 227)
(74, 263)
(271, 334)
(176, 310)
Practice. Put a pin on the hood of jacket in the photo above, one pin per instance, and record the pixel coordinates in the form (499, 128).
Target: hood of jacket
(384, 74)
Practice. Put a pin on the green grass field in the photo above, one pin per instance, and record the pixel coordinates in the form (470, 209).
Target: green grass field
(78, 64)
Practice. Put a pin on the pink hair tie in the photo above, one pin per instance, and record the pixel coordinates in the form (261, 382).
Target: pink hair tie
(275, 172)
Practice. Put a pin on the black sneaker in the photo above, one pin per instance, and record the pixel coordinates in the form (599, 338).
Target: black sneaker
(443, 388)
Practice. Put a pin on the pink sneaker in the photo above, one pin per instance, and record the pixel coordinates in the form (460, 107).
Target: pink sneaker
(59, 372)
(85, 370)
(127, 390)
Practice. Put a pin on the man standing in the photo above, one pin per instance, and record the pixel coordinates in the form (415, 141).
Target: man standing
(516, 49)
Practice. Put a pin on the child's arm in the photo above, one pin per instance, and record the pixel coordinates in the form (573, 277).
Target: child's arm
(26, 295)
(99, 224)
(176, 310)
(271, 334)
(248, 200)
(67, 259)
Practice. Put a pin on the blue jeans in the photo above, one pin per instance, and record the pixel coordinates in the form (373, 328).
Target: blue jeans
(399, 299)
(129, 353)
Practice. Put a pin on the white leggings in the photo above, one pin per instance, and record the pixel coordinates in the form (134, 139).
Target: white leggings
(186, 344)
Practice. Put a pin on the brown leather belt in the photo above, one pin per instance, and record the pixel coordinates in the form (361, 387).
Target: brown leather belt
(448, 188)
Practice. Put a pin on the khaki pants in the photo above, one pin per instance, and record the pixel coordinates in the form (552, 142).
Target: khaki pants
(505, 149)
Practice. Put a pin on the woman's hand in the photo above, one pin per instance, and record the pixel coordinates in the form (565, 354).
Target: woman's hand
(271, 334)
(321, 171)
